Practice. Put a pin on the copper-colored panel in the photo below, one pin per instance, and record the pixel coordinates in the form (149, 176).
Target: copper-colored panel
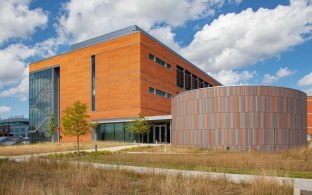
(263, 118)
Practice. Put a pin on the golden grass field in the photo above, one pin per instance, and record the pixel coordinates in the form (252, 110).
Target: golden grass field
(47, 147)
(42, 177)
(290, 163)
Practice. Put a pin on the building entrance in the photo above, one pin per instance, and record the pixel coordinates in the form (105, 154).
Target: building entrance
(160, 134)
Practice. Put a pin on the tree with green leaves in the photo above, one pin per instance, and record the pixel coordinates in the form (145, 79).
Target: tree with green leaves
(75, 121)
(51, 127)
(139, 126)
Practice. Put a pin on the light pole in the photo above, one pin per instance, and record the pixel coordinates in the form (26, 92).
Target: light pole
(274, 139)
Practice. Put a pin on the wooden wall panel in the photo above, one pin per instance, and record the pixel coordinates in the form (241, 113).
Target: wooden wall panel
(123, 75)
(156, 76)
(264, 118)
(117, 78)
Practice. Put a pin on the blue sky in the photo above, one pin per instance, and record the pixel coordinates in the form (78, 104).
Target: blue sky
(236, 41)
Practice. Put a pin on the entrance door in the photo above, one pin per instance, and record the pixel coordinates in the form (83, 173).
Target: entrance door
(160, 133)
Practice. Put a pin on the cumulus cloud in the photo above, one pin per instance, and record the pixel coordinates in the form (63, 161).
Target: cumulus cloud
(236, 40)
(4, 109)
(306, 80)
(281, 73)
(230, 77)
(165, 35)
(14, 66)
(20, 90)
(82, 20)
(17, 20)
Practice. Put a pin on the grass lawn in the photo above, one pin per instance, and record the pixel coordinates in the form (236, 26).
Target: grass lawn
(290, 163)
(53, 147)
(42, 177)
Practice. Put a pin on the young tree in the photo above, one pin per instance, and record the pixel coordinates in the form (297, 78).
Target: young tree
(50, 128)
(75, 121)
(139, 125)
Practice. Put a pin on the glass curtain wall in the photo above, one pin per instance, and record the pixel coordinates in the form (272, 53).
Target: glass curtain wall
(119, 132)
(40, 103)
(114, 132)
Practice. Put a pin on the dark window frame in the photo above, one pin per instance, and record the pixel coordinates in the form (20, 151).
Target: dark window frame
(187, 80)
(93, 83)
(180, 76)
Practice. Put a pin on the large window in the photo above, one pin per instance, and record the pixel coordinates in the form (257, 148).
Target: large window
(119, 132)
(114, 132)
(40, 102)
(129, 136)
(93, 83)
(180, 77)
(109, 131)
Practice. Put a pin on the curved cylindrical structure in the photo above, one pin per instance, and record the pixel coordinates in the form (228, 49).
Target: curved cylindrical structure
(240, 118)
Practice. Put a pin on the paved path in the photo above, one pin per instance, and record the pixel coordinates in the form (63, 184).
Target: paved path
(110, 149)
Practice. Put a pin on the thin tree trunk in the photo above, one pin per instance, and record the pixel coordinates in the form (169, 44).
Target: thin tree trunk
(78, 144)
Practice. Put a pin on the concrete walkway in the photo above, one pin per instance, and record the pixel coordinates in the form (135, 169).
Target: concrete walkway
(109, 149)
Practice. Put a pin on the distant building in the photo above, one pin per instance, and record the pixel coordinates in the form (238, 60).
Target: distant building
(14, 127)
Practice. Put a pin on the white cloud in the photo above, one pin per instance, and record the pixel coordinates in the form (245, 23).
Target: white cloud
(14, 66)
(86, 19)
(20, 90)
(17, 20)
(306, 80)
(281, 73)
(237, 40)
(284, 72)
(4, 109)
(230, 77)
(165, 35)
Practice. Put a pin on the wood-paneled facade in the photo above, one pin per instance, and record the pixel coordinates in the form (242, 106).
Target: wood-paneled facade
(124, 74)
(240, 118)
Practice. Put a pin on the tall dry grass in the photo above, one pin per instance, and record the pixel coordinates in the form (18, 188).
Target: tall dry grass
(41, 177)
(290, 163)
(46, 147)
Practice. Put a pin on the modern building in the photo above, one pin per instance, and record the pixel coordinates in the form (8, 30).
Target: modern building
(14, 127)
(117, 75)
(309, 117)
(240, 118)
(127, 72)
